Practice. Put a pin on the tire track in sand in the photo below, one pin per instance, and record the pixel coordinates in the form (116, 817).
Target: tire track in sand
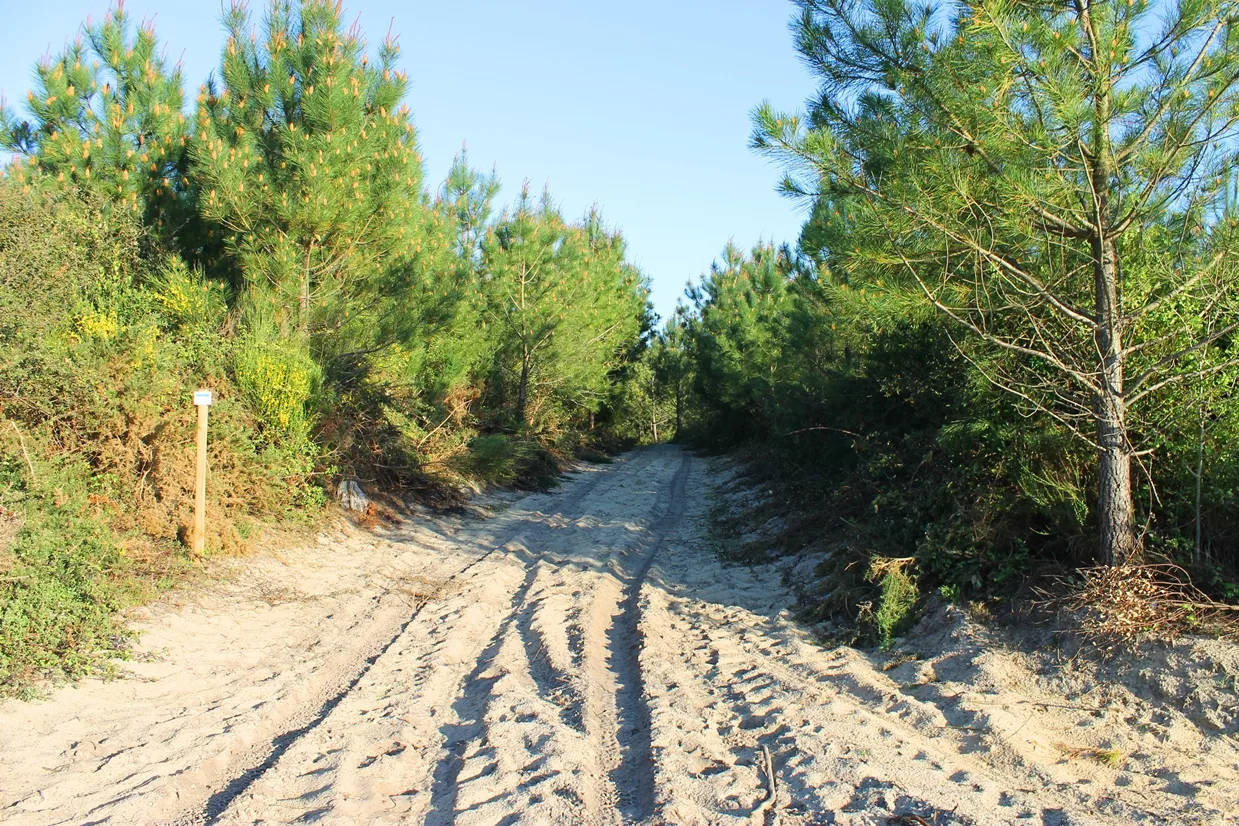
(596, 666)
(315, 705)
(518, 628)
(584, 737)
(618, 715)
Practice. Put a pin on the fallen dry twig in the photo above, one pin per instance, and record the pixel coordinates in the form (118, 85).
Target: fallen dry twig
(762, 814)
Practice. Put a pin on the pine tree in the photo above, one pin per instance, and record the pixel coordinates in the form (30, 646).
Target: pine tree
(449, 347)
(562, 302)
(106, 114)
(740, 308)
(672, 362)
(1049, 177)
(307, 160)
(469, 195)
(456, 345)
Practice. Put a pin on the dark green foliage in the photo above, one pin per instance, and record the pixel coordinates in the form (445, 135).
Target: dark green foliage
(1052, 180)
(499, 459)
(641, 409)
(306, 160)
(738, 337)
(564, 306)
(881, 437)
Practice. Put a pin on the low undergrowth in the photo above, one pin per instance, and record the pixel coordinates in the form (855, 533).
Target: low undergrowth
(502, 460)
(852, 585)
(104, 334)
(1123, 604)
(897, 598)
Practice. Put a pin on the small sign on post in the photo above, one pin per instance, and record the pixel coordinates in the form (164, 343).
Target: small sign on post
(202, 401)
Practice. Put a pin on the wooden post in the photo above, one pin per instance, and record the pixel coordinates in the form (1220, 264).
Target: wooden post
(202, 401)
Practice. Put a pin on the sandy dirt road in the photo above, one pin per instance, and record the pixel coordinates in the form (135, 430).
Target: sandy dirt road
(577, 657)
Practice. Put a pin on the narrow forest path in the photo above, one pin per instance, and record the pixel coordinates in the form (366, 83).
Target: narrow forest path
(580, 657)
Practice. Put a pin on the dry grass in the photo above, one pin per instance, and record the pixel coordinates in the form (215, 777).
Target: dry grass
(900, 659)
(1112, 757)
(1123, 603)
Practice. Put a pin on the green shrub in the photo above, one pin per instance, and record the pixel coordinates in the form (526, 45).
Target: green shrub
(497, 459)
(897, 598)
(102, 338)
(344, 321)
(278, 379)
(192, 309)
(66, 576)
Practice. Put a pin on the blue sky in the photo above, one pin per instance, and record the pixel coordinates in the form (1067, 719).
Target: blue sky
(641, 107)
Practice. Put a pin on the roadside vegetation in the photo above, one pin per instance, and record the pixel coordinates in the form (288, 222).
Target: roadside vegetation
(1003, 347)
(1001, 353)
(271, 237)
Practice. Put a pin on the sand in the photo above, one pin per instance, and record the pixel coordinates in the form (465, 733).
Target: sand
(582, 657)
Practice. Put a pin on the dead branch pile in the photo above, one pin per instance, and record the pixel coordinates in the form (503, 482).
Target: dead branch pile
(1127, 602)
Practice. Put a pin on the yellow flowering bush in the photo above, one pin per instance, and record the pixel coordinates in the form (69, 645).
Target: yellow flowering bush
(176, 300)
(278, 380)
(145, 348)
(97, 326)
(184, 298)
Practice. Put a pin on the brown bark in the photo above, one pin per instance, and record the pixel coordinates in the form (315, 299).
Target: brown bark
(1115, 508)
(303, 307)
(303, 297)
(522, 393)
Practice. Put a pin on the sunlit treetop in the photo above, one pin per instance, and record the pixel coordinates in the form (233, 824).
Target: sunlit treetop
(107, 113)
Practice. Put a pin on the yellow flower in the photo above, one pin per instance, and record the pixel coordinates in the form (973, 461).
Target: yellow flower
(94, 325)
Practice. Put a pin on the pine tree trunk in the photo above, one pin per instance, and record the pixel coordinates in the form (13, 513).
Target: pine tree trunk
(1115, 509)
(679, 408)
(654, 407)
(522, 393)
(303, 294)
(303, 307)
(1116, 514)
